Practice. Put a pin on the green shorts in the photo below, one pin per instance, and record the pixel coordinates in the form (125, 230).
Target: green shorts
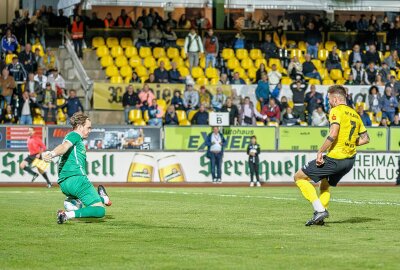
(80, 187)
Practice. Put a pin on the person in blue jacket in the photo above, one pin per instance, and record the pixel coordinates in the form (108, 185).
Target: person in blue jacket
(263, 92)
(216, 143)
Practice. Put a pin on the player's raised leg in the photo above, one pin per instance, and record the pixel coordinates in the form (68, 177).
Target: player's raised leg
(25, 166)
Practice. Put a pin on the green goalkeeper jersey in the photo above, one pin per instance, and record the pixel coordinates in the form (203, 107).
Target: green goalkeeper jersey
(73, 162)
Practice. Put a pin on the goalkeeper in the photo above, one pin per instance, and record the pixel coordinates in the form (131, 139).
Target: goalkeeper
(72, 176)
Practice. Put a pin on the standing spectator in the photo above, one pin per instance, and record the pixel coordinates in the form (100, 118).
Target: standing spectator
(140, 36)
(356, 56)
(309, 69)
(298, 90)
(272, 111)
(286, 23)
(62, 21)
(249, 23)
(25, 112)
(205, 97)
(302, 23)
(174, 76)
(265, 23)
(72, 104)
(170, 22)
(362, 24)
(145, 20)
(236, 79)
(239, 42)
(216, 143)
(371, 72)
(313, 100)
(56, 80)
(295, 68)
(394, 85)
(319, 117)
(7, 85)
(184, 23)
(202, 22)
(385, 26)
(49, 60)
(333, 61)
(260, 72)
(155, 36)
(170, 117)
(134, 78)
(364, 117)
(169, 37)
(124, 20)
(218, 100)
(190, 98)
(41, 78)
(232, 110)
(263, 92)
(38, 60)
(17, 70)
(248, 114)
(177, 101)
(268, 47)
(289, 118)
(312, 37)
(33, 88)
(274, 76)
(201, 116)
(393, 60)
(77, 31)
(9, 43)
(146, 97)
(109, 21)
(373, 22)
(359, 74)
(155, 114)
(388, 104)
(337, 25)
(372, 56)
(8, 117)
(130, 101)
(27, 59)
(96, 22)
(193, 47)
(49, 103)
(161, 74)
(211, 48)
(253, 151)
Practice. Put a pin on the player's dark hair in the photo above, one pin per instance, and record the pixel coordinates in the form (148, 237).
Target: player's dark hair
(253, 137)
(78, 119)
(337, 89)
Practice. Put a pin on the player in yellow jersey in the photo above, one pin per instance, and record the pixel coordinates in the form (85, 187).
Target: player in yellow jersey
(346, 132)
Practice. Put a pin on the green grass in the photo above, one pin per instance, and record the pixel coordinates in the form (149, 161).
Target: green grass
(200, 228)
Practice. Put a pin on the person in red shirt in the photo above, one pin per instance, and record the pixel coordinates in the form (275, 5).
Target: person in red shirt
(272, 111)
(36, 147)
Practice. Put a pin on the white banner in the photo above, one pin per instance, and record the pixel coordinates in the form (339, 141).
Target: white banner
(195, 167)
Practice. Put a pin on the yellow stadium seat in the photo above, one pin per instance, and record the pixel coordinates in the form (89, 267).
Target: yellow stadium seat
(274, 61)
(135, 61)
(126, 71)
(247, 80)
(191, 114)
(60, 102)
(197, 72)
(346, 73)
(302, 46)
(341, 82)
(291, 103)
(38, 120)
(260, 123)
(135, 115)
(214, 81)
(141, 71)
(241, 71)
(256, 54)
(347, 53)
(112, 42)
(180, 42)
(184, 122)
(126, 42)
(172, 52)
(127, 79)
(9, 58)
(97, 42)
(323, 72)
(259, 62)
(361, 104)
(183, 54)
(323, 54)
(393, 73)
(247, 63)
(329, 45)
(146, 116)
(314, 82)
(184, 71)
(121, 61)
(152, 68)
(317, 63)
(162, 104)
(202, 81)
(131, 51)
(144, 78)
(179, 61)
(381, 56)
(345, 64)
(145, 52)
(328, 82)
(258, 106)
(166, 61)
(303, 124)
(139, 122)
(116, 51)
(252, 73)
(38, 46)
(181, 115)
(336, 74)
(241, 54)
(211, 73)
(116, 79)
(273, 124)
(149, 61)
(106, 61)
(371, 116)
(203, 63)
(398, 75)
(227, 53)
(296, 52)
(233, 63)
(112, 71)
(102, 51)
(37, 111)
(159, 52)
(286, 81)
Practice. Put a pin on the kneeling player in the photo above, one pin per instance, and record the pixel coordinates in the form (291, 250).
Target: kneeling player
(72, 172)
(346, 132)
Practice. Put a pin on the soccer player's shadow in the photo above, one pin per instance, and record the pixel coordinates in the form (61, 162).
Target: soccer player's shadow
(354, 220)
(94, 220)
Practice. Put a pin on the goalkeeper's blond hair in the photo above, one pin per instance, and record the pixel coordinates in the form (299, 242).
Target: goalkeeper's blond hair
(78, 119)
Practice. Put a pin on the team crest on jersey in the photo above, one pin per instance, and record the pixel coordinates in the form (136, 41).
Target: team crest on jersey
(334, 117)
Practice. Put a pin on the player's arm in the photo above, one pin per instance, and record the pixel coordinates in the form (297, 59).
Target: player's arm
(58, 151)
(333, 134)
(363, 139)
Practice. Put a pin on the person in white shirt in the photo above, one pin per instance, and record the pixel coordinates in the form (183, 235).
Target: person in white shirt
(274, 76)
(56, 80)
(319, 118)
(41, 78)
(215, 142)
(193, 47)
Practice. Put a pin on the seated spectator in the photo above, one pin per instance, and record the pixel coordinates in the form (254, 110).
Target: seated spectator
(170, 22)
(7, 85)
(232, 110)
(359, 74)
(73, 104)
(395, 85)
(56, 80)
(130, 101)
(383, 123)
(309, 69)
(272, 111)
(109, 21)
(140, 36)
(155, 114)
(25, 111)
(283, 104)
(269, 48)
(393, 60)
(184, 23)
(49, 103)
(260, 71)
(319, 117)
(388, 104)
(95, 22)
(350, 80)
(240, 41)
(161, 74)
(135, 78)
(312, 37)
(169, 37)
(174, 76)
(124, 20)
(356, 56)
(41, 78)
(9, 43)
(190, 98)
(249, 23)
(274, 76)
(155, 36)
(372, 56)
(177, 101)
(200, 117)
(248, 114)
(313, 100)
(371, 72)
(146, 97)
(378, 80)
(205, 97)
(218, 100)
(223, 79)
(27, 59)
(170, 117)
(236, 79)
(374, 98)
(295, 68)
(151, 79)
(385, 72)
(333, 61)
(364, 117)
(289, 118)
(8, 116)
(396, 122)
(49, 61)
(17, 70)
(33, 88)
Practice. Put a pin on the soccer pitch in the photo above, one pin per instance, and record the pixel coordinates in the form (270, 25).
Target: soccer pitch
(203, 228)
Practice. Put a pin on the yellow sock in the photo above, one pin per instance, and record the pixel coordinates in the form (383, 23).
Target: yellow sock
(307, 190)
(325, 194)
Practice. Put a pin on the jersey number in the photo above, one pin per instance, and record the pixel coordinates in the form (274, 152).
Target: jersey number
(353, 127)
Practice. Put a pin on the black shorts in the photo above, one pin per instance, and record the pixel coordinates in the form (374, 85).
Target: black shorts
(332, 169)
(29, 159)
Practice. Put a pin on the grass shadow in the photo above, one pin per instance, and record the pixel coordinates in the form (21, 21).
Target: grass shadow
(355, 220)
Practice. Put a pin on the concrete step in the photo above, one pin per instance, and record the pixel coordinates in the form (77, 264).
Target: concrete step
(96, 74)
(106, 117)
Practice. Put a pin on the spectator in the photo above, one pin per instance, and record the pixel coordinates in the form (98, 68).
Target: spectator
(155, 36)
(362, 24)
(378, 80)
(140, 36)
(33, 88)
(248, 114)
(239, 41)
(295, 68)
(309, 69)
(96, 22)
(161, 74)
(17, 70)
(268, 47)
(146, 97)
(223, 79)
(333, 61)
(170, 117)
(56, 80)
(383, 123)
(313, 100)
(319, 117)
(373, 23)
(218, 100)
(393, 60)
(312, 37)
(134, 78)
(388, 104)
(359, 74)
(205, 97)
(302, 23)
(298, 89)
(265, 23)
(151, 79)
(371, 72)
(38, 59)
(394, 85)
(177, 101)
(385, 26)
(38, 23)
(356, 56)
(190, 98)
(9, 43)
(41, 78)
(7, 85)
(200, 117)
(289, 118)
(393, 37)
(174, 76)
(285, 23)
(274, 76)
(62, 21)
(396, 122)
(372, 56)
(283, 105)
(262, 91)
(183, 22)
(73, 104)
(155, 114)
(49, 61)
(202, 22)
(236, 79)
(249, 23)
(169, 37)
(364, 117)
(232, 110)
(280, 39)
(49, 103)
(8, 117)
(109, 21)
(215, 143)
(27, 59)
(349, 98)
(25, 111)
(272, 111)
(124, 20)
(385, 72)
(211, 48)
(193, 47)
(170, 22)
(77, 35)
(336, 25)
(145, 20)
(260, 71)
